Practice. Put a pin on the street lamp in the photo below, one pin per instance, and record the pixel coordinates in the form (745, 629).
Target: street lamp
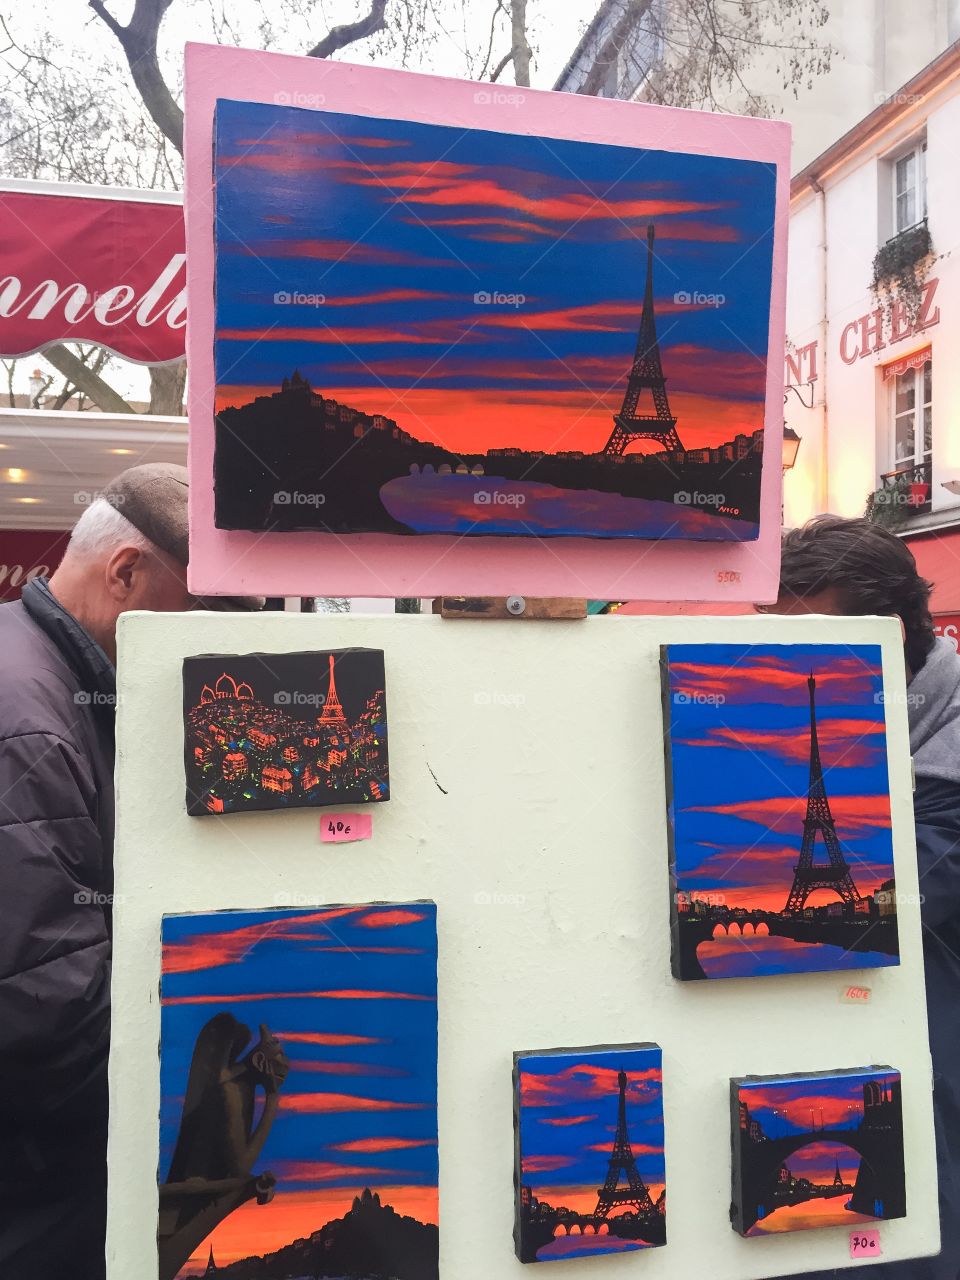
(37, 384)
(791, 447)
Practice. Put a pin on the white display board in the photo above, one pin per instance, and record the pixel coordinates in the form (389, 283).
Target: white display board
(527, 783)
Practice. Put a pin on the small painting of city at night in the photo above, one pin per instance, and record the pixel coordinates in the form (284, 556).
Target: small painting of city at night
(778, 809)
(589, 1170)
(817, 1150)
(298, 1082)
(282, 730)
(427, 330)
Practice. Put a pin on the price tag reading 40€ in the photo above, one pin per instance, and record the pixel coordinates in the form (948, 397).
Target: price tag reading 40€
(341, 828)
(865, 1244)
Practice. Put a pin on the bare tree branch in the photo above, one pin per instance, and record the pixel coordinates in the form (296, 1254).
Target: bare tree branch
(338, 37)
(501, 66)
(519, 43)
(139, 43)
(85, 380)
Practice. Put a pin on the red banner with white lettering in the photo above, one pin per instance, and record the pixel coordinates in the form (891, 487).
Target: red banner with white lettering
(78, 268)
(26, 554)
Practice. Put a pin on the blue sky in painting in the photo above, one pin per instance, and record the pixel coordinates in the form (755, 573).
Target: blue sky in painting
(739, 740)
(351, 994)
(398, 225)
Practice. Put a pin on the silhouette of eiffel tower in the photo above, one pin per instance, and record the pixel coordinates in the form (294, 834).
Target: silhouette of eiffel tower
(837, 1179)
(332, 712)
(807, 874)
(635, 1193)
(646, 374)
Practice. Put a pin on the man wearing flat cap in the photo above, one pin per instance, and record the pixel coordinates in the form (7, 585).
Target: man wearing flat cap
(58, 695)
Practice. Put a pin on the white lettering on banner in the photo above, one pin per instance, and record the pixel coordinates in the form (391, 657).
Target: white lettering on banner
(13, 575)
(110, 307)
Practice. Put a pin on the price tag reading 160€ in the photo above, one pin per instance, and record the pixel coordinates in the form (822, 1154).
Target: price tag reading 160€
(865, 1244)
(341, 828)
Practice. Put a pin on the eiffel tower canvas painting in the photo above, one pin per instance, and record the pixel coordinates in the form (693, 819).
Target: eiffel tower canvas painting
(283, 730)
(781, 848)
(532, 337)
(589, 1177)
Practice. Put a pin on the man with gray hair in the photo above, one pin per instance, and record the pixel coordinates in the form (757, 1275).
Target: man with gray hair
(58, 693)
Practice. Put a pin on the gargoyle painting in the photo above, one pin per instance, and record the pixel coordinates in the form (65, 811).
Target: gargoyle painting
(314, 1137)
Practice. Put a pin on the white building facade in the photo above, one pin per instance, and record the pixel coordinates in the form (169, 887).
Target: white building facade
(881, 369)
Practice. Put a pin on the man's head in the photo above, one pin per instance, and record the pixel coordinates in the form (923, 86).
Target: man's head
(110, 567)
(854, 567)
(129, 551)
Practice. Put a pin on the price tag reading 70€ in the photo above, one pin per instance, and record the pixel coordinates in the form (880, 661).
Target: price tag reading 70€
(341, 828)
(865, 1244)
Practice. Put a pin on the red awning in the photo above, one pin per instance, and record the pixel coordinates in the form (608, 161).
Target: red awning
(938, 558)
(913, 361)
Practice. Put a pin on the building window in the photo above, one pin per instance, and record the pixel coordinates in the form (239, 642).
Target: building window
(910, 188)
(906, 486)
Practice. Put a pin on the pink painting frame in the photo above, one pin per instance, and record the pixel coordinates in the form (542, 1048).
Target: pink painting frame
(230, 562)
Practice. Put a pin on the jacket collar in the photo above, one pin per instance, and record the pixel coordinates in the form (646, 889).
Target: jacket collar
(76, 646)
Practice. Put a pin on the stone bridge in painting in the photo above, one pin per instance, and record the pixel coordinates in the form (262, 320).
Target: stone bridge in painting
(870, 934)
(875, 1133)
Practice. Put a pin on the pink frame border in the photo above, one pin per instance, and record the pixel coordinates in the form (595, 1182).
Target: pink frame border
(290, 564)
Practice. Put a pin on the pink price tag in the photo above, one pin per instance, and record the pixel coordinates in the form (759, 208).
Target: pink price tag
(865, 1244)
(341, 828)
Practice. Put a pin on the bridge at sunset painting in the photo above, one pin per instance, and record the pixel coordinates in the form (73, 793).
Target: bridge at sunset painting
(779, 809)
(298, 1071)
(426, 329)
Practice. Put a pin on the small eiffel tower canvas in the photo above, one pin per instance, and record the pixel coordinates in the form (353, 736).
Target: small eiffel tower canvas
(589, 1173)
(284, 730)
(779, 809)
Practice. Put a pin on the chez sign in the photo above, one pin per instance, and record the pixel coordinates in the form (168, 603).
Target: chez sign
(867, 335)
(86, 269)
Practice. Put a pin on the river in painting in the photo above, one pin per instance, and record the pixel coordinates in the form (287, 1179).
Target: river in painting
(751, 956)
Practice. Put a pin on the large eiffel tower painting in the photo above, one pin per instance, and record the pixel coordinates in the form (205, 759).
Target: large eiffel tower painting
(539, 338)
(565, 1102)
(781, 845)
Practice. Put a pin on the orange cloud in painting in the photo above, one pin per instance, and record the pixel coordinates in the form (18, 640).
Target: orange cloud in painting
(851, 814)
(253, 997)
(333, 1103)
(374, 1146)
(210, 950)
(546, 1164)
(842, 741)
(562, 1122)
(389, 919)
(583, 1080)
(325, 1038)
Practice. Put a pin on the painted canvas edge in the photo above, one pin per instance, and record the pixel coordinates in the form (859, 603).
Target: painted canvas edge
(232, 562)
(676, 962)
